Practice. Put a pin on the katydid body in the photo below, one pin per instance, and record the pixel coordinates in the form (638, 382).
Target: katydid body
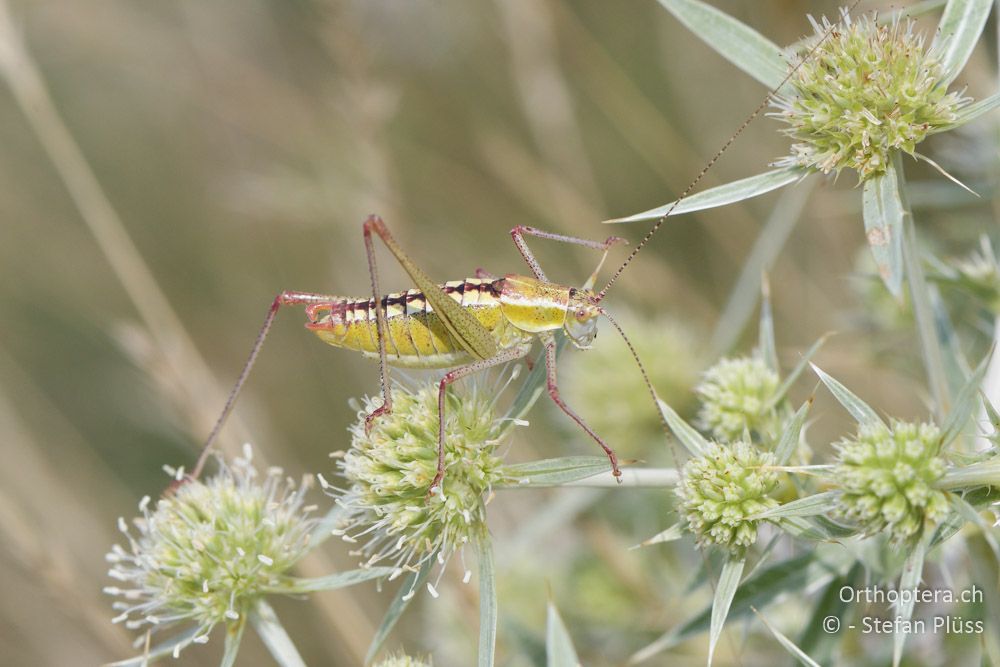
(469, 325)
(466, 325)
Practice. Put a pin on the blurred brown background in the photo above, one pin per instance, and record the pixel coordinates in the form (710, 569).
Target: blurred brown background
(239, 146)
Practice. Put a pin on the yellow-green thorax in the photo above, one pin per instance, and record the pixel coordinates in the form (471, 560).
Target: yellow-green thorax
(513, 309)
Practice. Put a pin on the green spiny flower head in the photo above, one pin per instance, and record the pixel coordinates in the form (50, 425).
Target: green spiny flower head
(209, 550)
(389, 472)
(887, 477)
(867, 90)
(736, 395)
(721, 489)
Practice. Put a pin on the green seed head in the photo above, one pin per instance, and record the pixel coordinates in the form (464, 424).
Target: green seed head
(867, 90)
(390, 470)
(736, 395)
(721, 489)
(209, 550)
(887, 476)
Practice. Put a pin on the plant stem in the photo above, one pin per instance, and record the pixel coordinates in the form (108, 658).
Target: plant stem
(930, 343)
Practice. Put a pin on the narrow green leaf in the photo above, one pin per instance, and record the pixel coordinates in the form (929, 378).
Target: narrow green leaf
(772, 238)
(817, 503)
(788, 644)
(909, 580)
(861, 411)
(559, 651)
(957, 370)
(721, 195)
(170, 647)
(790, 438)
(487, 603)
(759, 590)
(234, 634)
(786, 385)
(273, 634)
(735, 41)
(984, 473)
(973, 111)
(883, 214)
(333, 581)
(817, 640)
(965, 404)
(805, 528)
(833, 529)
(554, 472)
(957, 34)
(765, 330)
(690, 438)
(324, 529)
(916, 9)
(725, 590)
(399, 604)
(923, 311)
(675, 532)
(991, 412)
(969, 513)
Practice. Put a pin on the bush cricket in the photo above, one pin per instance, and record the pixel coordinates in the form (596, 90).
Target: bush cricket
(468, 325)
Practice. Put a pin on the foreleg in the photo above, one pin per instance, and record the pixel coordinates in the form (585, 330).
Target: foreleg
(550, 368)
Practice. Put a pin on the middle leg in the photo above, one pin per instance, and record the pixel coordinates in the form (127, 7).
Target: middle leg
(452, 376)
(519, 232)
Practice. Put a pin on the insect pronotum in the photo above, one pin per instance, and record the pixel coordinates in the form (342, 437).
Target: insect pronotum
(468, 325)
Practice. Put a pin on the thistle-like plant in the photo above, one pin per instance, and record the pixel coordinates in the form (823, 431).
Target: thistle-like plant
(858, 95)
(209, 553)
(863, 92)
(388, 472)
(886, 476)
(739, 395)
(385, 502)
(723, 490)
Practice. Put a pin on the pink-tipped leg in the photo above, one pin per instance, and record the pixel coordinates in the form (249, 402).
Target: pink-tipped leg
(374, 223)
(384, 409)
(550, 369)
(452, 376)
(287, 298)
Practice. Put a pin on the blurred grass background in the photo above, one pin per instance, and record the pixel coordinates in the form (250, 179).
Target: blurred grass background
(241, 144)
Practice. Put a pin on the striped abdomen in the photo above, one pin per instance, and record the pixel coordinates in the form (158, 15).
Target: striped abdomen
(415, 336)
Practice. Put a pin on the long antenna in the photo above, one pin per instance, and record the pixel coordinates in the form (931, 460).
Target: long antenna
(720, 152)
(642, 369)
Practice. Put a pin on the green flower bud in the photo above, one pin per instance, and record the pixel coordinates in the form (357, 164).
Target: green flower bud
(866, 90)
(887, 476)
(208, 551)
(389, 472)
(736, 395)
(720, 490)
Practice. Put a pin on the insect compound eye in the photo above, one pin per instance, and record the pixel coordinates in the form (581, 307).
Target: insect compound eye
(581, 315)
